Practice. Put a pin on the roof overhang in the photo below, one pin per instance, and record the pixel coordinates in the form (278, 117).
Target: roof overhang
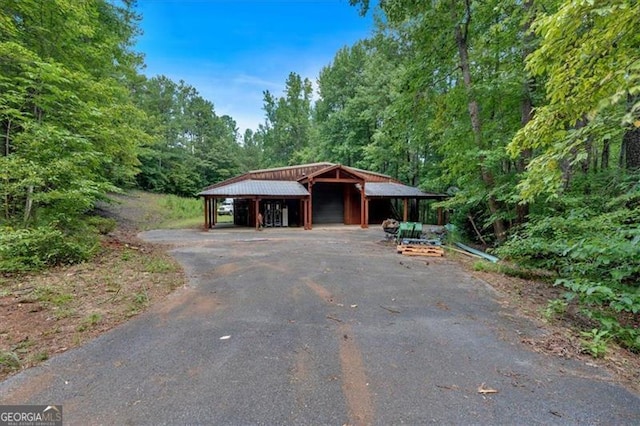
(397, 190)
(258, 188)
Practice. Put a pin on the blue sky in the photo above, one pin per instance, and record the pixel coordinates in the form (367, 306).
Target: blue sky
(233, 50)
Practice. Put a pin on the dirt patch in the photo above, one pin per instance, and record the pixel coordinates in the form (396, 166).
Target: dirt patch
(561, 336)
(46, 313)
(354, 379)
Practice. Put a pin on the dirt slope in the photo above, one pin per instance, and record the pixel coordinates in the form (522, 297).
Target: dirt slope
(45, 313)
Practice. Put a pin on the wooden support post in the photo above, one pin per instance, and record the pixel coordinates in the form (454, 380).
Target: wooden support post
(363, 208)
(405, 209)
(305, 213)
(366, 213)
(440, 216)
(310, 207)
(206, 213)
(257, 212)
(213, 209)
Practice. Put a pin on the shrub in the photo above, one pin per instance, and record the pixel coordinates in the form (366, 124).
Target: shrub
(35, 248)
(103, 225)
(593, 245)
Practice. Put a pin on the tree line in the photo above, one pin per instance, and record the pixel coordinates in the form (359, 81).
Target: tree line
(78, 120)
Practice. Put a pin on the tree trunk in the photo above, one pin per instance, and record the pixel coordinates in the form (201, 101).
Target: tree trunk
(631, 142)
(461, 32)
(586, 163)
(7, 139)
(28, 204)
(606, 149)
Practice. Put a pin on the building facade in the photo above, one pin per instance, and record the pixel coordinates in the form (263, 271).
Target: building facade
(308, 194)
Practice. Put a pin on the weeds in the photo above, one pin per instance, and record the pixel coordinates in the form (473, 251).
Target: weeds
(89, 321)
(554, 309)
(595, 342)
(156, 265)
(52, 296)
(503, 268)
(41, 356)
(9, 361)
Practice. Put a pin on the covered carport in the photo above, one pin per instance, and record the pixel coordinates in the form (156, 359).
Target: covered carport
(255, 192)
(379, 191)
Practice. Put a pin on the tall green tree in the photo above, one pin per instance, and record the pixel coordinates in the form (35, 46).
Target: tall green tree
(251, 157)
(459, 94)
(68, 124)
(191, 146)
(588, 54)
(287, 128)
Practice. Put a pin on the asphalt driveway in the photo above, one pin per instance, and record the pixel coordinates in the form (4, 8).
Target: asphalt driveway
(319, 327)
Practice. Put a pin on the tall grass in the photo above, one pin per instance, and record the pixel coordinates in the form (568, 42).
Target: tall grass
(180, 208)
(179, 212)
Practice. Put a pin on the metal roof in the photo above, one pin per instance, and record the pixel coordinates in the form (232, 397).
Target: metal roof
(264, 188)
(396, 190)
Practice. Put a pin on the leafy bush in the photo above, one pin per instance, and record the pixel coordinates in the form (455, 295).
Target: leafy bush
(593, 245)
(35, 248)
(103, 225)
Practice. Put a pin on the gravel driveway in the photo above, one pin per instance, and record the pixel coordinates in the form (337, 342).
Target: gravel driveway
(319, 327)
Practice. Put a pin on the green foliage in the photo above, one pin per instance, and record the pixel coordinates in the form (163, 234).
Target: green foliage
(588, 55)
(181, 207)
(68, 125)
(286, 131)
(190, 146)
(52, 295)
(89, 322)
(103, 225)
(159, 266)
(595, 342)
(36, 248)
(502, 268)
(554, 308)
(592, 243)
(9, 361)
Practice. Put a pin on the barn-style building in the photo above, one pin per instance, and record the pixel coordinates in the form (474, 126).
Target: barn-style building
(308, 194)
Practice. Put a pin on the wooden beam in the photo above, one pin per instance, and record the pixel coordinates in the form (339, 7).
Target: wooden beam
(305, 216)
(214, 211)
(405, 209)
(337, 180)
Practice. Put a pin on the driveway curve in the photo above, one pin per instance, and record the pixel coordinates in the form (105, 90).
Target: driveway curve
(319, 327)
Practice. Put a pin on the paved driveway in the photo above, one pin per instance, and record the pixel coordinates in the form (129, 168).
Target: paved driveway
(319, 327)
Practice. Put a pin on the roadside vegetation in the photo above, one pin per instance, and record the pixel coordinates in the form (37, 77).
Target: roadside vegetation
(46, 309)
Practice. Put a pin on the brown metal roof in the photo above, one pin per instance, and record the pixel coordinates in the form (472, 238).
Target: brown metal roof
(295, 173)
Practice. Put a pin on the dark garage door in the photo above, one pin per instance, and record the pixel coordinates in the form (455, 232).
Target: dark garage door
(328, 203)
